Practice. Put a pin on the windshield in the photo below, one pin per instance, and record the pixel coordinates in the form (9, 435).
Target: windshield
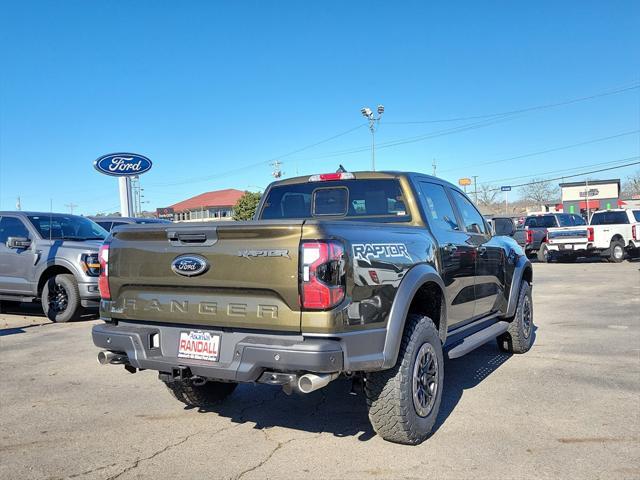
(376, 200)
(67, 227)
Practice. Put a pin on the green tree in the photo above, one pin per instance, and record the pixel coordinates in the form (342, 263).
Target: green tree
(246, 206)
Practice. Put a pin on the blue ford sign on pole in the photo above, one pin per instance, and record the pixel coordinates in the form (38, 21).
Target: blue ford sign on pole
(506, 189)
(124, 166)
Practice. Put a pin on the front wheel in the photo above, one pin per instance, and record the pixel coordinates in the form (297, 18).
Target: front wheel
(61, 298)
(404, 401)
(616, 251)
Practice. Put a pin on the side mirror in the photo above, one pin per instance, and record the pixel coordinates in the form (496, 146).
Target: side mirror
(504, 227)
(18, 242)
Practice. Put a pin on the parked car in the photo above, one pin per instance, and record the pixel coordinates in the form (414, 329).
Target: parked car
(109, 223)
(51, 258)
(610, 234)
(532, 235)
(373, 276)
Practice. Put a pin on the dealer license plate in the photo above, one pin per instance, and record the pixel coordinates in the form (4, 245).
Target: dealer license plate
(199, 346)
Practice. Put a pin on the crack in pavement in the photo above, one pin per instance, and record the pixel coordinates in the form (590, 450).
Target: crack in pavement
(155, 454)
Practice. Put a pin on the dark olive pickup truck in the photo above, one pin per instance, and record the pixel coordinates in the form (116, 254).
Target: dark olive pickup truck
(374, 276)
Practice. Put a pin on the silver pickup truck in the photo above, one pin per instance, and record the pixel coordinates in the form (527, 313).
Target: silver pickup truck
(51, 258)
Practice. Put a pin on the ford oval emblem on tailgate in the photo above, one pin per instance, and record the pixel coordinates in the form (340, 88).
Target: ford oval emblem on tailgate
(190, 265)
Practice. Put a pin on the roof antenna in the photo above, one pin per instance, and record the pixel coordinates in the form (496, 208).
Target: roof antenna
(341, 169)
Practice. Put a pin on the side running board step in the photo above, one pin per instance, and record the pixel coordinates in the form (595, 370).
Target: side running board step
(479, 338)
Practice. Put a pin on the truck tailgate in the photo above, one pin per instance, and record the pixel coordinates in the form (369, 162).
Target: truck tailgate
(567, 235)
(250, 280)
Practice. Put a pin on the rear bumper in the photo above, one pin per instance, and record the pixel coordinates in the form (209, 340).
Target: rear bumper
(244, 356)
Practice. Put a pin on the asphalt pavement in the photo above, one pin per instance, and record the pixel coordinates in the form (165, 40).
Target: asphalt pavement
(570, 408)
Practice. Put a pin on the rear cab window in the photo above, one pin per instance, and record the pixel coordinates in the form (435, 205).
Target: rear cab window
(609, 218)
(366, 199)
(541, 221)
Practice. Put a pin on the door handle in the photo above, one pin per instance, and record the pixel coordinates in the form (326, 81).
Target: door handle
(450, 248)
(482, 250)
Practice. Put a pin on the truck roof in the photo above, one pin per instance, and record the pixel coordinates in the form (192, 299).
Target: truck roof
(40, 214)
(365, 175)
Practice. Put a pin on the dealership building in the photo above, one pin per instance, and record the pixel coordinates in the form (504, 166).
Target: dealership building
(579, 197)
(216, 205)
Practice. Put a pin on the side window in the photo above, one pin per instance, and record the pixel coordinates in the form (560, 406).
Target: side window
(12, 227)
(473, 221)
(117, 224)
(440, 215)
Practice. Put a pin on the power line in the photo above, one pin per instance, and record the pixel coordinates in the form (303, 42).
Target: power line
(490, 182)
(574, 175)
(257, 164)
(523, 110)
(548, 150)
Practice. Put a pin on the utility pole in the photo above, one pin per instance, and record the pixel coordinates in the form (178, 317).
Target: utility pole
(373, 123)
(71, 206)
(586, 196)
(475, 189)
(433, 163)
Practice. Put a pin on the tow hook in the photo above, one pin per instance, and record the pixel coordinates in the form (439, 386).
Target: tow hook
(198, 381)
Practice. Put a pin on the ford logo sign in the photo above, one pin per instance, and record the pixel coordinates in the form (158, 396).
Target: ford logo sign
(122, 164)
(190, 265)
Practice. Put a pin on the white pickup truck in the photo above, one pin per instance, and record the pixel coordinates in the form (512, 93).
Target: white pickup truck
(610, 233)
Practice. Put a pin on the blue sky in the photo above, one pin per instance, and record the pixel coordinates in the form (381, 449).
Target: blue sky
(212, 90)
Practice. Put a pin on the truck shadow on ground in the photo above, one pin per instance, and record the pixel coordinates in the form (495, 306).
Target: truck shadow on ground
(334, 410)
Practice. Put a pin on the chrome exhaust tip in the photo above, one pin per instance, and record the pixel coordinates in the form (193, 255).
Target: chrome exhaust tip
(105, 358)
(311, 382)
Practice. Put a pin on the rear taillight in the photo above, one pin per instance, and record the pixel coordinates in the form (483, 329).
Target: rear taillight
(103, 279)
(589, 234)
(325, 177)
(322, 270)
(528, 236)
(634, 232)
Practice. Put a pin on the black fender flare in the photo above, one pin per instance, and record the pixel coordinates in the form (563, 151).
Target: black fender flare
(522, 265)
(412, 281)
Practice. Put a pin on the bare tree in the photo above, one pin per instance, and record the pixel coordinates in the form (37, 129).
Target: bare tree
(540, 191)
(487, 195)
(631, 186)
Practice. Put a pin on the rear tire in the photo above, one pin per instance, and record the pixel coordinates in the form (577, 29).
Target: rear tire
(207, 395)
(544, 255)
(404, 401)
(519, 337)
(61, 298)
(616, 251)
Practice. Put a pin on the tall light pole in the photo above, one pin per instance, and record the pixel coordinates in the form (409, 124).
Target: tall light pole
(373, 123)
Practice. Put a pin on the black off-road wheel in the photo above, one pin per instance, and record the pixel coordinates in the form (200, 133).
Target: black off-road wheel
(544, 255)
(519, 337)
(616, 251)
(207, 395)
(404, 401)
(61, 298)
